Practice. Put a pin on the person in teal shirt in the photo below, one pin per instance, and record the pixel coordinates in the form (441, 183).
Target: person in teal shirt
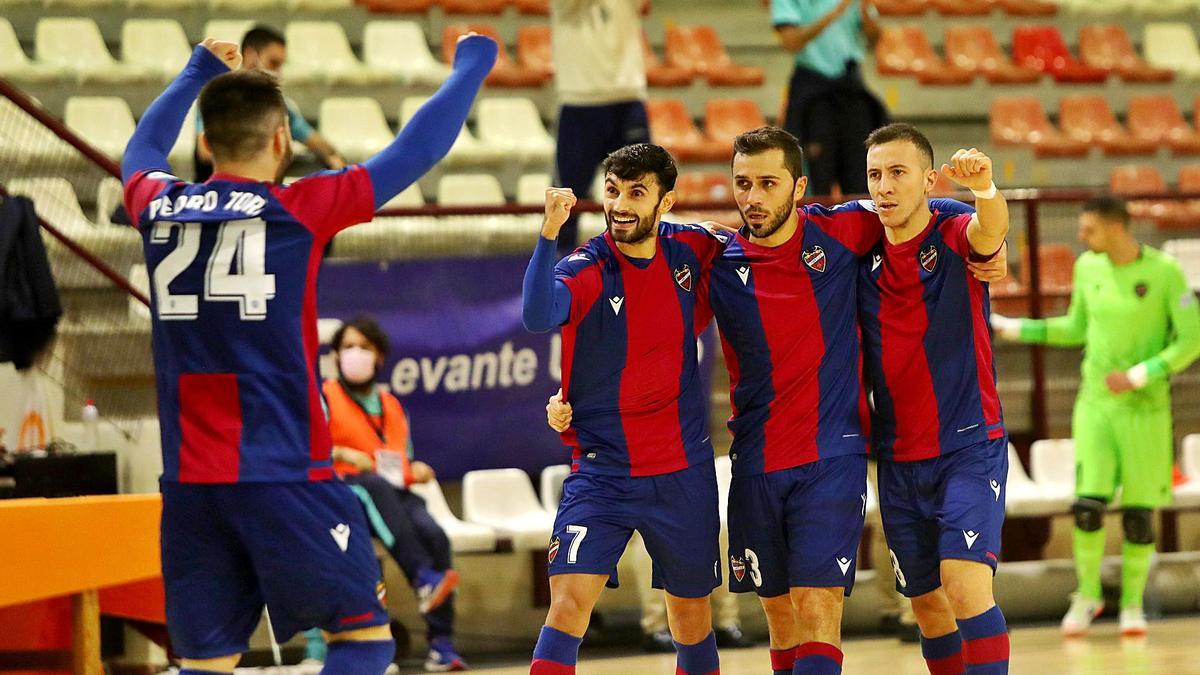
(1136, 318)
(828, 107)
(265, 49)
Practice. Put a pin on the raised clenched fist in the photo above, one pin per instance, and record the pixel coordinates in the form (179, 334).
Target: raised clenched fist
(559, 202)
(229, 52)
(971, 169)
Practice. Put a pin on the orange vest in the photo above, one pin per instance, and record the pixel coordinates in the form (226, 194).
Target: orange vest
(350, 426)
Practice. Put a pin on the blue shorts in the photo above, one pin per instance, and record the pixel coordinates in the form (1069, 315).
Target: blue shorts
(797, 527)
(676, 514)
(303, 549)
(948, 507)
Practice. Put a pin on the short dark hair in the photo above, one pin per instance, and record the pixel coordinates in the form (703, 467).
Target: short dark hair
(634, 161)
(240, 111)
(764, 139)
(902, 132)
(1108, 207)
(369, 327)
(260, 36)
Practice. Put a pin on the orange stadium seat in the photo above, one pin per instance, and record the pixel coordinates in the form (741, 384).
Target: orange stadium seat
(962, 7)
(473, 6)
(1087, 118)
(659, 74)
(1028, 7)
(399, 6)
(505, 73)
(1157, 119)
(974, 48)
(906, 51)
(532, 7)
(1186, 214)
(1021, 121)
(1108, 46)
(1189, 180)
(692, 188)
(533, 49)
(901, 7)
(672, 127)
(1042, 48)
(1142, 181)
(726, 118)
(1055, 265)
(699, 48)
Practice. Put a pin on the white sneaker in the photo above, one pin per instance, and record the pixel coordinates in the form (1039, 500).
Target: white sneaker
(1133, 621)
(1080, 616)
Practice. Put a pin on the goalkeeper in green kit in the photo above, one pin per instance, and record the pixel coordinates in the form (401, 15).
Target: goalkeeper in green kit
(1137, 321)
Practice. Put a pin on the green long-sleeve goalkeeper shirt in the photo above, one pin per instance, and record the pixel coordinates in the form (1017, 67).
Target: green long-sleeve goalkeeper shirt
(1140, 313)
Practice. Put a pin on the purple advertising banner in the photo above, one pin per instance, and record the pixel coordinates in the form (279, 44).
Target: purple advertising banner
(473, 380)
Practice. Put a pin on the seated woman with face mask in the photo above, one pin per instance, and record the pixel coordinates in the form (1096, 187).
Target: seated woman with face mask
(364, 421)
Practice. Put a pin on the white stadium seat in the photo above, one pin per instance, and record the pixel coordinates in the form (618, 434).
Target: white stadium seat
(182, 155)
(320, 51)
(469, 189)
(464, 537)
(318, 5)
(103, 121)
(1052, 467)
(467, 150)
(409, 198)
(139, 278)
(241, 6)
(355, 126)
(109, 195)
(16, 65)
(515, 125)
(1187, 252)
(158, 45)
(551, 484)
(76, 45)
(55, 200)
(531, 189)
(400, 47)
(1172, 45)
(1025, 497)
(504, 499)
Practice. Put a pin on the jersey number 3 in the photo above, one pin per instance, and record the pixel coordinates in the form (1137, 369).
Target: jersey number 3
(241, 244)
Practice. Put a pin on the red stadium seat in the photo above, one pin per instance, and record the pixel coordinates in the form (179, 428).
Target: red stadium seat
(672, 127)
(974, 48)
(1107, 46)
(726, 118)
(532, 7)
(699, 48)
(1143, 180)
(534, 51)
(1157, 119)
(1042, 48)
(1055, 265)
(693, 188)
(399, 6)
(1028, 7)
(1089, 119)
(1021, 121)
(962, 7)
(473, 6)
(906, 51)
(901, 7)
(659, 74)
(505, 73)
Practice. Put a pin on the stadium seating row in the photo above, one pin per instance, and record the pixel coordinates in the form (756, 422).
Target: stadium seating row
(1037, 51)
(1153, 121)
(156, 49)
(472, 7)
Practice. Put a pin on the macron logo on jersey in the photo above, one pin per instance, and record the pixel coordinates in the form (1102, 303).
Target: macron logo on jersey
(341, 535)
(577, 256)
(744, 274)
(970, 536)
(844, 565)
(616, 304)
(996, 489)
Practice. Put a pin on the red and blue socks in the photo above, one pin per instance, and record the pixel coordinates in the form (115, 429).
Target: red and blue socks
(782, 661)
(555, 653)
(985, 643)
(817, 658)
(943, 655)
(698, 659)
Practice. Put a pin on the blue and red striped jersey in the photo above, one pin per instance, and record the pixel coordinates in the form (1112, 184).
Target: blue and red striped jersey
(233, 270)
(790, 335)
(629, 363)
(927, 350)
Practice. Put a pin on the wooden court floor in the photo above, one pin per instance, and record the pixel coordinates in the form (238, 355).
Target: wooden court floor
(1173, 647)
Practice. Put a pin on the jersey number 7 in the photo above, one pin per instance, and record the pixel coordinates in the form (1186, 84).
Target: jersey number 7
(243, 242)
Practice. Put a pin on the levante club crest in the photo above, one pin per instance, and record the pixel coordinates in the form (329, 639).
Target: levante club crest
(815, 258)
(683, 277)
(929, 258)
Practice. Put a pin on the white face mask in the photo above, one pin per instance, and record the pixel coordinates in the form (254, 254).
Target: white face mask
(357, 364)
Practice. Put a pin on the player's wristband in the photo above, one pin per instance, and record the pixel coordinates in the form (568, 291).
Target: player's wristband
(1008, 328)
(986, 194)
(1138, 375)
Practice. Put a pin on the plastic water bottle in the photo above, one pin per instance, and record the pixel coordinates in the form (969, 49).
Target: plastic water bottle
(91, 426)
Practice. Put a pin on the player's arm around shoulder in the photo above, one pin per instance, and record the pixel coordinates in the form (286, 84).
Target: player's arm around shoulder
(987, 229)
